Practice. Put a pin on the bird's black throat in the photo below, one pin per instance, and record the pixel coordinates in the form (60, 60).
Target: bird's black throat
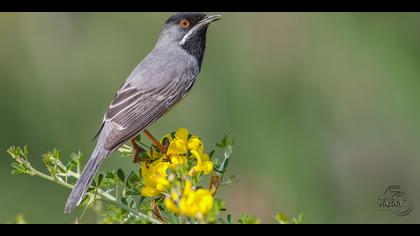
(196, 45)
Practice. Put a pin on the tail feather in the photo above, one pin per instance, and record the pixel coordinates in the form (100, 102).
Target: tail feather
(85, 179)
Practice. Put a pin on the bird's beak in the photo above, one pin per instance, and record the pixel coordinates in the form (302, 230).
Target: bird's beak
(208, 19)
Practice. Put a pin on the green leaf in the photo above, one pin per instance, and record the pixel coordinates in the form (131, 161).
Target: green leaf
(134, 192)
(100, 178)
(25, 152)
(132, 203)
(226, 142)
(124, 201)
(211, 154)
(21, 152)
(129, 180)
(84, 199)
(172, 218)
(75, 161)
(229, 219)
(120, 174)
(110, 175)
(282, 218)
(16, 172)
(141, 200)
(298, 220)
(225, 165)
(245, 219)
(18, 167)
(134, 178)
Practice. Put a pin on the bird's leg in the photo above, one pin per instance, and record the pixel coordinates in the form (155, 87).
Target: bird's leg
(155, 141)
(137, 150)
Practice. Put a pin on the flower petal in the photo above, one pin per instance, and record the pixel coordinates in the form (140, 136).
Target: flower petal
(195, 143)
(177, 147)
(170, 205)
(187, 188)
(182, 134)
(160, 169)
(145, 174)
(149, 192)
(178, 160)
(197, 155)
(196, 203)
(206, 168)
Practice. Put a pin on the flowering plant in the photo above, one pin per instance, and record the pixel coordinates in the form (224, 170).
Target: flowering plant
(168, 185)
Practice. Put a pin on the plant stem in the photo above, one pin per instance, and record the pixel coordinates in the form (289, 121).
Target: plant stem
(104, 197)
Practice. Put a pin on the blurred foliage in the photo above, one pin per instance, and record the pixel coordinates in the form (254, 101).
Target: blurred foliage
(323, 106)
(19, 219)
(284, 219)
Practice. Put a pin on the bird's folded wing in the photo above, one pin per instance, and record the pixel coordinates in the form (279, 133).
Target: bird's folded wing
(133, 110)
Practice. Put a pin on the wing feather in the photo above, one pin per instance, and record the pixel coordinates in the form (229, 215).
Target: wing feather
(133, 110)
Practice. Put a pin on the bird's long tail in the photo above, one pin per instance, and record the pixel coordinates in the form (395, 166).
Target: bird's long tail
(83, 183)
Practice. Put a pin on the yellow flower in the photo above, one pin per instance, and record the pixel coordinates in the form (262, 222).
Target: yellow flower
(162, 183)
(178, 160)
(203, 163)
(178, 146)
(182, 134)
(206, 168)
(195, 143)
(187, 188)
(170, 205)
(154, 178)
(149, 192)
(196, 203)
(154, 172)
(174, 196)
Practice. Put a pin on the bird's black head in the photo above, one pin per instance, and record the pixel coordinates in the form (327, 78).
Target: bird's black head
(187, 30)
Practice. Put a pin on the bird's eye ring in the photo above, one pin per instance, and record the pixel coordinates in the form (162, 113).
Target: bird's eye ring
(184, 23)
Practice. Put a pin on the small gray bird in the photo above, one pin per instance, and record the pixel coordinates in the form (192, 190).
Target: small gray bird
(161, 80)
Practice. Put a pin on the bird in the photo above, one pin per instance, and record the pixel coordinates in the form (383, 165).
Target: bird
(162, 79)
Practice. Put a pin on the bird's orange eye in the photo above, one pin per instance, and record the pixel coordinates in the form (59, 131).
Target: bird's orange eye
(184, 23)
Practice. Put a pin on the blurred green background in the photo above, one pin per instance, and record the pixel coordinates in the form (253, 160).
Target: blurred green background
(324, 107)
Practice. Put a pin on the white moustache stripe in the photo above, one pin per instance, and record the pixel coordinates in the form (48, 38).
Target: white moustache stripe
(192, 31)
